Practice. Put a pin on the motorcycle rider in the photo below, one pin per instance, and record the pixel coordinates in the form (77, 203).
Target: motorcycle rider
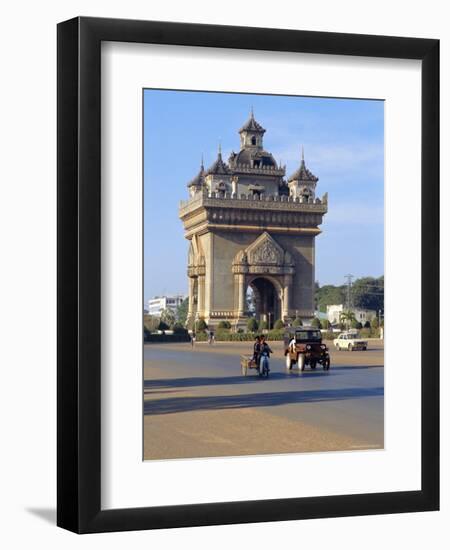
(256, 350)
(264, 351)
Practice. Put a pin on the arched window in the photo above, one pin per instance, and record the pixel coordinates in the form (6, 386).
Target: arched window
(253, 140)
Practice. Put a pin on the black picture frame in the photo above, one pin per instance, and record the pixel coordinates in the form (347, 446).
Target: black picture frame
(79, 275)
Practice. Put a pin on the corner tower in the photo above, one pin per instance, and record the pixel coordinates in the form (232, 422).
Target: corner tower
(249, 228)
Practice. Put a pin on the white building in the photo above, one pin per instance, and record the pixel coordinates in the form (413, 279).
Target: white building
(361, 315)
(159, 303)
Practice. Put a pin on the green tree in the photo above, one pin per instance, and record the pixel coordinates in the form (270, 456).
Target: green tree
(224, 325)
(201, 325)
(374, 323)
(182, 311)
(278, 324)
(329, 295)
(367, 324)
(347, 318)
(326, 324)
(263, 325)
(252, 325)
(316, 323)
(297, 322)
(368, 293)
(168, 317)
(151, 322)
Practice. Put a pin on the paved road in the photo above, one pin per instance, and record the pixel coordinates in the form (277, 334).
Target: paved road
(197, 403)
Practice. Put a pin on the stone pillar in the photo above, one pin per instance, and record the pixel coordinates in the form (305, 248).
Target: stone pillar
(241, 294)
(191, 307)
(286, 305)
(201, 296)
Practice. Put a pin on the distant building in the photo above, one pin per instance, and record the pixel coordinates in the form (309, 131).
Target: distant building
(159, 303)
(361, 315)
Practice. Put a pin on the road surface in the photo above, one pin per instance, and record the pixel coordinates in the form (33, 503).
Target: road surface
(198, 404)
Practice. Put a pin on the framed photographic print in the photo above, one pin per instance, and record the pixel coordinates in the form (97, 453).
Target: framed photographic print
(248, 258)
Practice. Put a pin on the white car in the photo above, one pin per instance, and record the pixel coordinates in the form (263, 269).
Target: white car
(350, 342)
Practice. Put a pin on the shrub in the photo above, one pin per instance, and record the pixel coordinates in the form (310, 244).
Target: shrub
(367, 324)
(297, 322)
(167, 338)
(275, 334)
(278, 324)
(163, 326)
(326, 324)
(224, 336)
(179, 329)
(263, 325)
(201, 325)
(223, 325)
(374, 323)
(359, 325)
(252, 325)
(316, 323)
(354, 323)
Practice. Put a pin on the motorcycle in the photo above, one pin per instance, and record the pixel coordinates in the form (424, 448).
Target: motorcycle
(264, 365)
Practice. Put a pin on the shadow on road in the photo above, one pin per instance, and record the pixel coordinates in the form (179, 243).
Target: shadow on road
(186, 404)
(357, 367)
(198, 381)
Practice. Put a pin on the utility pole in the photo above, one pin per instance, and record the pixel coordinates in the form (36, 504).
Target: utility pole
(349, 286)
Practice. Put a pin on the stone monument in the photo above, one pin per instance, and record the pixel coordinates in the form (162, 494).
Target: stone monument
(250, 228)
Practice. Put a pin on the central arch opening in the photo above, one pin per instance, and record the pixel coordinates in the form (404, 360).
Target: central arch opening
(263, 302)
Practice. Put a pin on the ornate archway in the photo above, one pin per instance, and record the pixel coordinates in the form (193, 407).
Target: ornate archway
(269, 270)
(268, 300)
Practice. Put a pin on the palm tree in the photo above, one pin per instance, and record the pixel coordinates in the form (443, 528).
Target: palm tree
(347, 317)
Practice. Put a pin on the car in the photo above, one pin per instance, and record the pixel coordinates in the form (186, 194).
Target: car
(303, 346)
(350, 341)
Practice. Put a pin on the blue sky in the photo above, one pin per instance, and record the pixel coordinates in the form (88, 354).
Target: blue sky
(343, 141)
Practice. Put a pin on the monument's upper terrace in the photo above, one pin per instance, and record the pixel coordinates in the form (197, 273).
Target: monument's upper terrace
(278, 203)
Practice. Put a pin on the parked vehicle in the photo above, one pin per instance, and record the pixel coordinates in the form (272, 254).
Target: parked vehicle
(350, 341)
(303, 346)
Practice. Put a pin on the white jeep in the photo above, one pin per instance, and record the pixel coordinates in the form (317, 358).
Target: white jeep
(349, 340)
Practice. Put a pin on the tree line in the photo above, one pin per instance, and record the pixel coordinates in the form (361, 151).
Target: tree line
(365, 293)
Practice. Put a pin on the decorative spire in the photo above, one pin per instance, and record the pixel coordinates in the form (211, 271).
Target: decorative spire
(199, 178)
(251, 125)
(219, 166)
(302, 173)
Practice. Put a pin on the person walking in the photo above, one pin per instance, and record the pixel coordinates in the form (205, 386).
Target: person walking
(193, 338)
